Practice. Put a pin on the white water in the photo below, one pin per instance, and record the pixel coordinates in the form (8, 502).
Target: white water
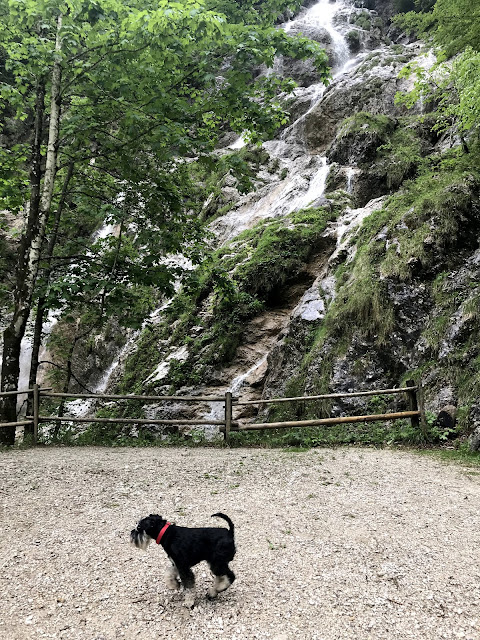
(322, 14)
(238, 382)
(52, 319)
(306, 174)
(316, 187)
(26, 348)
(351, 171)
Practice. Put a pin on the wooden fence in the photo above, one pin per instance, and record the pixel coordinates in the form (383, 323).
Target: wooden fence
(416, 412)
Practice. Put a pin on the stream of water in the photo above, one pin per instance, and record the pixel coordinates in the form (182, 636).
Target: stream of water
(306, 173)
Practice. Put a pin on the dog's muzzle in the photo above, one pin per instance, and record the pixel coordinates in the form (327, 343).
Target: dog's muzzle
(139, 539)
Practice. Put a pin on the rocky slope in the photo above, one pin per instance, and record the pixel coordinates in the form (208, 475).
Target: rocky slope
(355, 262)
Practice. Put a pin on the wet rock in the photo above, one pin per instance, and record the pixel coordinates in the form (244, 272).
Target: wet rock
(302, 71)
(447, 416)
(371, 87)
(358, 144)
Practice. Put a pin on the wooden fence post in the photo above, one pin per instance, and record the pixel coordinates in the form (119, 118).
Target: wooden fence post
(228, 414)
(421, 408)
(36, 411)
(412, 403)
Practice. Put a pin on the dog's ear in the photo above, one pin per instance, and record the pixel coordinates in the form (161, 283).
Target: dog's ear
(155, 515)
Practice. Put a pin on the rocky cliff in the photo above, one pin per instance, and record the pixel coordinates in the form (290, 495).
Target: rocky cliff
(352, 265)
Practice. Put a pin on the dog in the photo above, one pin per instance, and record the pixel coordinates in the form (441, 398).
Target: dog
(186, 547)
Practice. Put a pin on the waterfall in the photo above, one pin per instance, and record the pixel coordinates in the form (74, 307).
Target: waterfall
(306, 174)
(350, 173)
(237, 383)
(320, 15)
(316, 187)
(26, 348)
(300, 183)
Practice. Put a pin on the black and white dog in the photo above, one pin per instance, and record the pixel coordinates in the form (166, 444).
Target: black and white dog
(186, 547)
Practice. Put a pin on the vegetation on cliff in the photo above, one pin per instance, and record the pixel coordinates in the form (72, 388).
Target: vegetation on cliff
(100, 101)
(237, 282)
(406, 299)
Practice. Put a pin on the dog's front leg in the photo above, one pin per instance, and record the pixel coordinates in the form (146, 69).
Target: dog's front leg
(173, 577)
(188, 582)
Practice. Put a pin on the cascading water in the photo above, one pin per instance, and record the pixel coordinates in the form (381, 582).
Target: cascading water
(322, 15)
(306, 174)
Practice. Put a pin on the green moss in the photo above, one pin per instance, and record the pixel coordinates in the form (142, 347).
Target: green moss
(362, 303)
(400, 157)
(364, 121)
(234, 286)
(414, 233)
(146, 357)
(353, 40)
(426, 218)
(362, 20)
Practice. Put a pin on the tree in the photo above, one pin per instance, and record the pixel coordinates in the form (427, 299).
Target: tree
(453, 84)
(121, 91)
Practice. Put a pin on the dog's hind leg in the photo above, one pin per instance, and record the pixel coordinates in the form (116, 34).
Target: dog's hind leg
(224, 577)
(173, 577)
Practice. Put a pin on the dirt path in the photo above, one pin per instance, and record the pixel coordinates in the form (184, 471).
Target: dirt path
(332, 544)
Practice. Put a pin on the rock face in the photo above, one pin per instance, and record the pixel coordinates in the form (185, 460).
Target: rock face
(475, 427)
(371, 87)
(389, 293)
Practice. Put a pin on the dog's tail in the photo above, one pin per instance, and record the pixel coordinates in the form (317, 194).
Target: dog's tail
(224, 517)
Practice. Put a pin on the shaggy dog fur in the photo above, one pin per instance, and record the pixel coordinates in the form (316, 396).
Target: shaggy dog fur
(186, 547)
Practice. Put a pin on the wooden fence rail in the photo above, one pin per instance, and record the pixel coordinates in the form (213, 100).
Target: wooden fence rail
(110, 396)
(125, 420)
(314, 423)
(414, 397)
(353, 394)
(28, 419)
(413, 391)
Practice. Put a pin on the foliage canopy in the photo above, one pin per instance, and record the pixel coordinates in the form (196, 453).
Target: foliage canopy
(143, 85)
(453, 28)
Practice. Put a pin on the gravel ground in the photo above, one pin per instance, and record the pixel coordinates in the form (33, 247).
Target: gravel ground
(332, 544)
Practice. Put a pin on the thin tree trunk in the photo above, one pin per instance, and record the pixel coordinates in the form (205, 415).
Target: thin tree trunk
(14, 333)
(42, 308)
(31, 243)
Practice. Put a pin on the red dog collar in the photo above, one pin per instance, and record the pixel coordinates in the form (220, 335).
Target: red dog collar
(162, 531)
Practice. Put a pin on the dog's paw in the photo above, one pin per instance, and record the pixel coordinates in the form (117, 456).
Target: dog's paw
(211, 593)
(189, 601)
(173, 584)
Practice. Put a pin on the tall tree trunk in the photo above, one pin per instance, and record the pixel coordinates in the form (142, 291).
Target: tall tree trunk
(31, 243)
(42, 308)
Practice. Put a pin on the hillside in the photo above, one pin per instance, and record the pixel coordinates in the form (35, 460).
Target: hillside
(344, 255)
